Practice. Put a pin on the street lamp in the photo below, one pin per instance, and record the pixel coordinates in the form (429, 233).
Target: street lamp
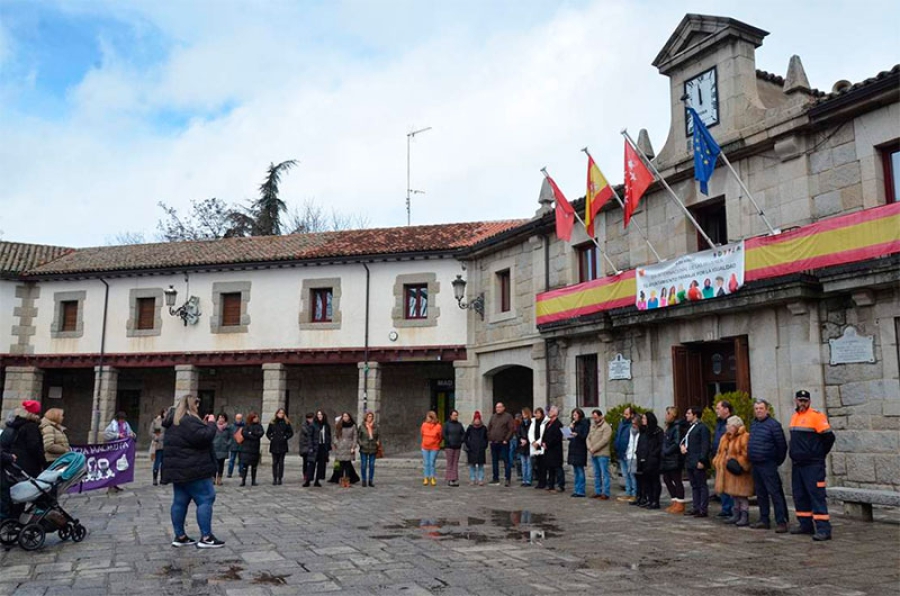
(459, 292)
(189, 311)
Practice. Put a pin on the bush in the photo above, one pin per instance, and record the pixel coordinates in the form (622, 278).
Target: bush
(740, 401)
(614, 416)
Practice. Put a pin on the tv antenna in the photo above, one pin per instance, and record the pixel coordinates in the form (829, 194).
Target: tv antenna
(409, 190)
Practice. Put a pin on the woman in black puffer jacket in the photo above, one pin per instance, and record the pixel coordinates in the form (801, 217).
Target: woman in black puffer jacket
(649, 460)
(279, 433)
(190, 468)
(252, 433)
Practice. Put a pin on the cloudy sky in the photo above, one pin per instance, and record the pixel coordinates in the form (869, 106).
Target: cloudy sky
(108, 107)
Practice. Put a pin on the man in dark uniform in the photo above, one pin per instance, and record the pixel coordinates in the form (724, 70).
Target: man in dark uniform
(811, 440)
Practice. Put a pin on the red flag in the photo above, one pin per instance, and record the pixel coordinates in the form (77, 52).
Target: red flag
(565, 215)
(637, 179)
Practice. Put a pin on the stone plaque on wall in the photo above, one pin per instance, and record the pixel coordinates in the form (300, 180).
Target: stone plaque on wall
(850, 347)
(619, 368)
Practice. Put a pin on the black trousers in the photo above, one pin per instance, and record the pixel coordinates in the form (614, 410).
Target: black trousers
(318, 465)
(767, 484)
(640, 487)
(305, 467)
(540, 471)
(278, 466)
(808, 484)
(220, 466)
(652, 486)
(556, 476)
(699, 490)
(674, 484)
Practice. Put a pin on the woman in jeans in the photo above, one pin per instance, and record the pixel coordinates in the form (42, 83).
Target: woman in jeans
(190, 468)
(453, 433)
(431, 443)
(475, 441)
(580, 428)
(279, 433)
(369, 438)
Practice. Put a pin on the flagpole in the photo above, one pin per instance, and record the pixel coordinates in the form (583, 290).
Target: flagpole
(759, 211)
(622, 205)
(665, 184)
(594, 240)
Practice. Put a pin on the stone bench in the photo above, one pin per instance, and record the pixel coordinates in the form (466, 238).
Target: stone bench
(858, 501)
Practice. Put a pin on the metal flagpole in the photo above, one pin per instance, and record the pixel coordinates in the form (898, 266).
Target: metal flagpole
(772, 230)
(594, 240)
(622, 205)
(665, 184)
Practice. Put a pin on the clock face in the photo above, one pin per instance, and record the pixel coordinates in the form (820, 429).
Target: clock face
(703, 95)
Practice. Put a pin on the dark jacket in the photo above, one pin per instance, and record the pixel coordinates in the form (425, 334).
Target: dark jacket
(649, 447)
(622, 435)
(279, 433)
(189, 450)
(306, 437)
(767, 443)
(367, 445)
(578, 443)
(672, 460)
(501, 428)
(250, 447)
(475, 442)
(222, 440)
(454, 434)
(811, 438)
(522, 435)
(720, 432)
(697, 446)
(553, 441)
(233, 445)
(318, 440)
(22, 437)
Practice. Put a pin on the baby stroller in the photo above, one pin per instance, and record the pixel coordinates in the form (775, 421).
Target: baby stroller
(43, 513)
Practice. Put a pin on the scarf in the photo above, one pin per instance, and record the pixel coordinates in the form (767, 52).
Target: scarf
(221, 425)
(370, 428)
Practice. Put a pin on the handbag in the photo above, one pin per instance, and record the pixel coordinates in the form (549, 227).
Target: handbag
(379, 451)
(733, 466)
(238, 436)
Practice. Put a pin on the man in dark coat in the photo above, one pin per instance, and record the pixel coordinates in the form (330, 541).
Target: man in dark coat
(766, 450)
(552, 442)
(695, 448)
(22, 438)
(501, 430)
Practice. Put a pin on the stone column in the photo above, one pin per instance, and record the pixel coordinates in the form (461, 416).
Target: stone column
(187, 380)
(22, 382)
(106, 386)
(369, 394)
(274, 389)
(466, 387)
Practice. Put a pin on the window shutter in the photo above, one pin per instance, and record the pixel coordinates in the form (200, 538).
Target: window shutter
(146, 313)
(231, 309)
(69, 315)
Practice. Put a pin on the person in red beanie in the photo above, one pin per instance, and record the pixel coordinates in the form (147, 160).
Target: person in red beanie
(475, 442)
(22, 438)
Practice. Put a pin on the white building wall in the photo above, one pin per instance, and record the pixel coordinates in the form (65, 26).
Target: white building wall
(8, 303)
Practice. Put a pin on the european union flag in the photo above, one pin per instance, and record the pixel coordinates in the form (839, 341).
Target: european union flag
(706, 152)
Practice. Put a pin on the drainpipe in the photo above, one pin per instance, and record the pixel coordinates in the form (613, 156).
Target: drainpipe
(366, 348)
(546, 241)
(95, 416)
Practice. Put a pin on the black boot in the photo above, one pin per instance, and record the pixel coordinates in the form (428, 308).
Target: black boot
(155, 476)
(253, 477)
(243, 477)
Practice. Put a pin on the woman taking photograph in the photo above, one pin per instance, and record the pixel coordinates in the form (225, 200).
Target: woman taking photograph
(252, 433)
(221, 443)
(190, 468)
(53, 432)
(279, 433)
(345, 438)
(733, 470)
(431, 443)
(319, 447)
(369, 438)
(453, 434)
(475, 442)
(579, 429)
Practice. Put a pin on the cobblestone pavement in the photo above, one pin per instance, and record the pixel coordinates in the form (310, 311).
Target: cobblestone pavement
(402, 538)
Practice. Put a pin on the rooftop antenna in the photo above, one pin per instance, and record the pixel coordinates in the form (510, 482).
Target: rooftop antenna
(409, 190)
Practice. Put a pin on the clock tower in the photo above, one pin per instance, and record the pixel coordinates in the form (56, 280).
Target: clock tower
(711, 65)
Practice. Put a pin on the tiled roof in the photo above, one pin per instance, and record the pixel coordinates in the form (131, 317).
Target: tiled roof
(294, 247)
(881, 76)
(779, 80)
(16, 257)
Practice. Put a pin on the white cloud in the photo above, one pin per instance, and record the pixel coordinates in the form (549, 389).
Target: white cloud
(502, 103)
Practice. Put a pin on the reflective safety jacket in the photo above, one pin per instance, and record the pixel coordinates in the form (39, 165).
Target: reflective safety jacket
(811, 437)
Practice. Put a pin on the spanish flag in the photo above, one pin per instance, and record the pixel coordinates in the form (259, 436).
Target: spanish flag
(598, 192)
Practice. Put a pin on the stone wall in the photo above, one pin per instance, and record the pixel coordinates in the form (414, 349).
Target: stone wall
(405, 399)
(77, 400)
(863, 400)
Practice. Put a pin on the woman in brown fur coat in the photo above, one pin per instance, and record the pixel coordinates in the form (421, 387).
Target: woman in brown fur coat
(740, 486)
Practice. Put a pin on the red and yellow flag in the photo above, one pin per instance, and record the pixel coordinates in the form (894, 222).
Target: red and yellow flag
(598, 192)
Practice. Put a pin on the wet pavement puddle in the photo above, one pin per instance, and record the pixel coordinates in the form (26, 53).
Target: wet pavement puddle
(497, 526)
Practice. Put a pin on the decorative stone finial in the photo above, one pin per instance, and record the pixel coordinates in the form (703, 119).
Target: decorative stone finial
(545, 199)
(795, 80)
(644, 145)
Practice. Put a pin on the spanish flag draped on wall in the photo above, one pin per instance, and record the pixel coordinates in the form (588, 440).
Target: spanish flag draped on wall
(598, 192)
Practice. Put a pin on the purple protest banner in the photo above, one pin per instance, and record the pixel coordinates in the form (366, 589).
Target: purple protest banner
(108, 464)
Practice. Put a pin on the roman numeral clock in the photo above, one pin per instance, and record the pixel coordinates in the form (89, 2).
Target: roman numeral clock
(702, 93)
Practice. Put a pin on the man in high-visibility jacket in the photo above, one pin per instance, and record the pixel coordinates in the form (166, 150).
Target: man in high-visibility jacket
(811, 440)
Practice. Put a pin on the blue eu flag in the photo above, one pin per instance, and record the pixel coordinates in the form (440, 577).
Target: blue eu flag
(706, 152)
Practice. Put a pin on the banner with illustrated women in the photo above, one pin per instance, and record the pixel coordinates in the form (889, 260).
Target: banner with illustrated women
(108, 464)
(692, 278)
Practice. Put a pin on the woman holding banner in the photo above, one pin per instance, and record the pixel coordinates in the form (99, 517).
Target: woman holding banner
(190, 467)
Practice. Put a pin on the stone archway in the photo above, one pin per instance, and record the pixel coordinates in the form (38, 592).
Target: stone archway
(513, 385)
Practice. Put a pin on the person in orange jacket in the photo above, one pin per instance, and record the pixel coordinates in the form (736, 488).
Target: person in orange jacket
(431, 443)
(811, 440)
